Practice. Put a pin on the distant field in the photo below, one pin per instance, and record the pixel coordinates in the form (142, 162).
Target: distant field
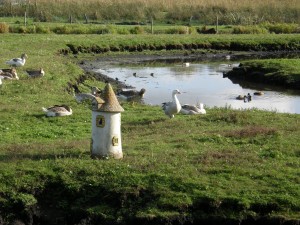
(206, 12)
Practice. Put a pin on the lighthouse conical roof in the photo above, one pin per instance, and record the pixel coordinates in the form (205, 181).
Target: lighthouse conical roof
(111, 103)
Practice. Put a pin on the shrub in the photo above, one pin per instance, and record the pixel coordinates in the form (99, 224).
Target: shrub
(179, 30)
(61, 30)
(123, 31)
(4, 28)
(281, 28)
(42, 30)
(137, 30)
(249, 30)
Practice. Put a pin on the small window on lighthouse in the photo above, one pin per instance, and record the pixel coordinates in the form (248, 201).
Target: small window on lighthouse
(100, 121)
(115, 141)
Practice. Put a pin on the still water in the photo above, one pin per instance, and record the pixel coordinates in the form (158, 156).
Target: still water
(201, 82)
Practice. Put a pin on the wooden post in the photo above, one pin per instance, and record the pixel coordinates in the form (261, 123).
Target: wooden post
(217, 24)
(86, 18)
(190, 23)
(25, 18)
(11, 9)
(152, 25)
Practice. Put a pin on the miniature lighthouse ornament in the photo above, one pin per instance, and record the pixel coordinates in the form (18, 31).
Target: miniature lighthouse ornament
(106, 126)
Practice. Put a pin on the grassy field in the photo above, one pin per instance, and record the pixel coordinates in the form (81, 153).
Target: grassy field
(227, 165)
(206, 12)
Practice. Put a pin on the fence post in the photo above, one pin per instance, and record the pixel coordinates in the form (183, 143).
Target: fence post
(217, 24)
(152, 25)
(25, 18)
(86, 18)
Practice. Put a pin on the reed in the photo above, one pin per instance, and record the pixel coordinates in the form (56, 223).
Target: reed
(228, 11)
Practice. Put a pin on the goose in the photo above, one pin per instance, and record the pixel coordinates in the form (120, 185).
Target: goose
(249, 97)
(192, 109)
(258, 93)
(96, 91)
(36, 73)
(80, 97)
(174, 107)
(58, 110)
(131, 94)
(17, 62)
(186, 64)
(10, 74)
(241, 97)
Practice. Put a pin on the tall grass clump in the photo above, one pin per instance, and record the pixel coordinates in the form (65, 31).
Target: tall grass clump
(4, 28)
(249, 30)
(282, 28)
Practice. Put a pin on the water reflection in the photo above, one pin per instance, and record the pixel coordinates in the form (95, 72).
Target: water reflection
(201, 82)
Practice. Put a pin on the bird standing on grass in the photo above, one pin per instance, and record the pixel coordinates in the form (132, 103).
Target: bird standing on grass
(17, 62)
(174, 107)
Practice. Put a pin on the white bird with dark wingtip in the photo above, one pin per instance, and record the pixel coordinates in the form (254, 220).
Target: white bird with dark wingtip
(174, 107)
(58, 110)
(17, 62)
(36, 73)
(193, 109)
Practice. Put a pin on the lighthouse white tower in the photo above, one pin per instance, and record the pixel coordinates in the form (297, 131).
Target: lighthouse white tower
(106, 126)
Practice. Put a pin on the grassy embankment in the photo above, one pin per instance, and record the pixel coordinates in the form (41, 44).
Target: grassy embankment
(228, 164)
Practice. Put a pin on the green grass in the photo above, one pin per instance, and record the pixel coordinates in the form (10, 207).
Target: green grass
(235, 164)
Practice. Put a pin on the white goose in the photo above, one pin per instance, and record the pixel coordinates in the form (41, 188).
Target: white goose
(58, 110)
(174, 107)
(1, 77)
(17, 62)
(131, 94)
(193, 109)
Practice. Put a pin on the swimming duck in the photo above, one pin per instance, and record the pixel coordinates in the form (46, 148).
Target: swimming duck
(10, 74)
(131, 94)
(17, 62)
(186, 64)
(241, 97)
(58, 110)
(192, 109)
(258, 93)
(36, 73)
(174, 107)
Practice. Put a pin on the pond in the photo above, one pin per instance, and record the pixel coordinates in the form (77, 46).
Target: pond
(200, 82)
